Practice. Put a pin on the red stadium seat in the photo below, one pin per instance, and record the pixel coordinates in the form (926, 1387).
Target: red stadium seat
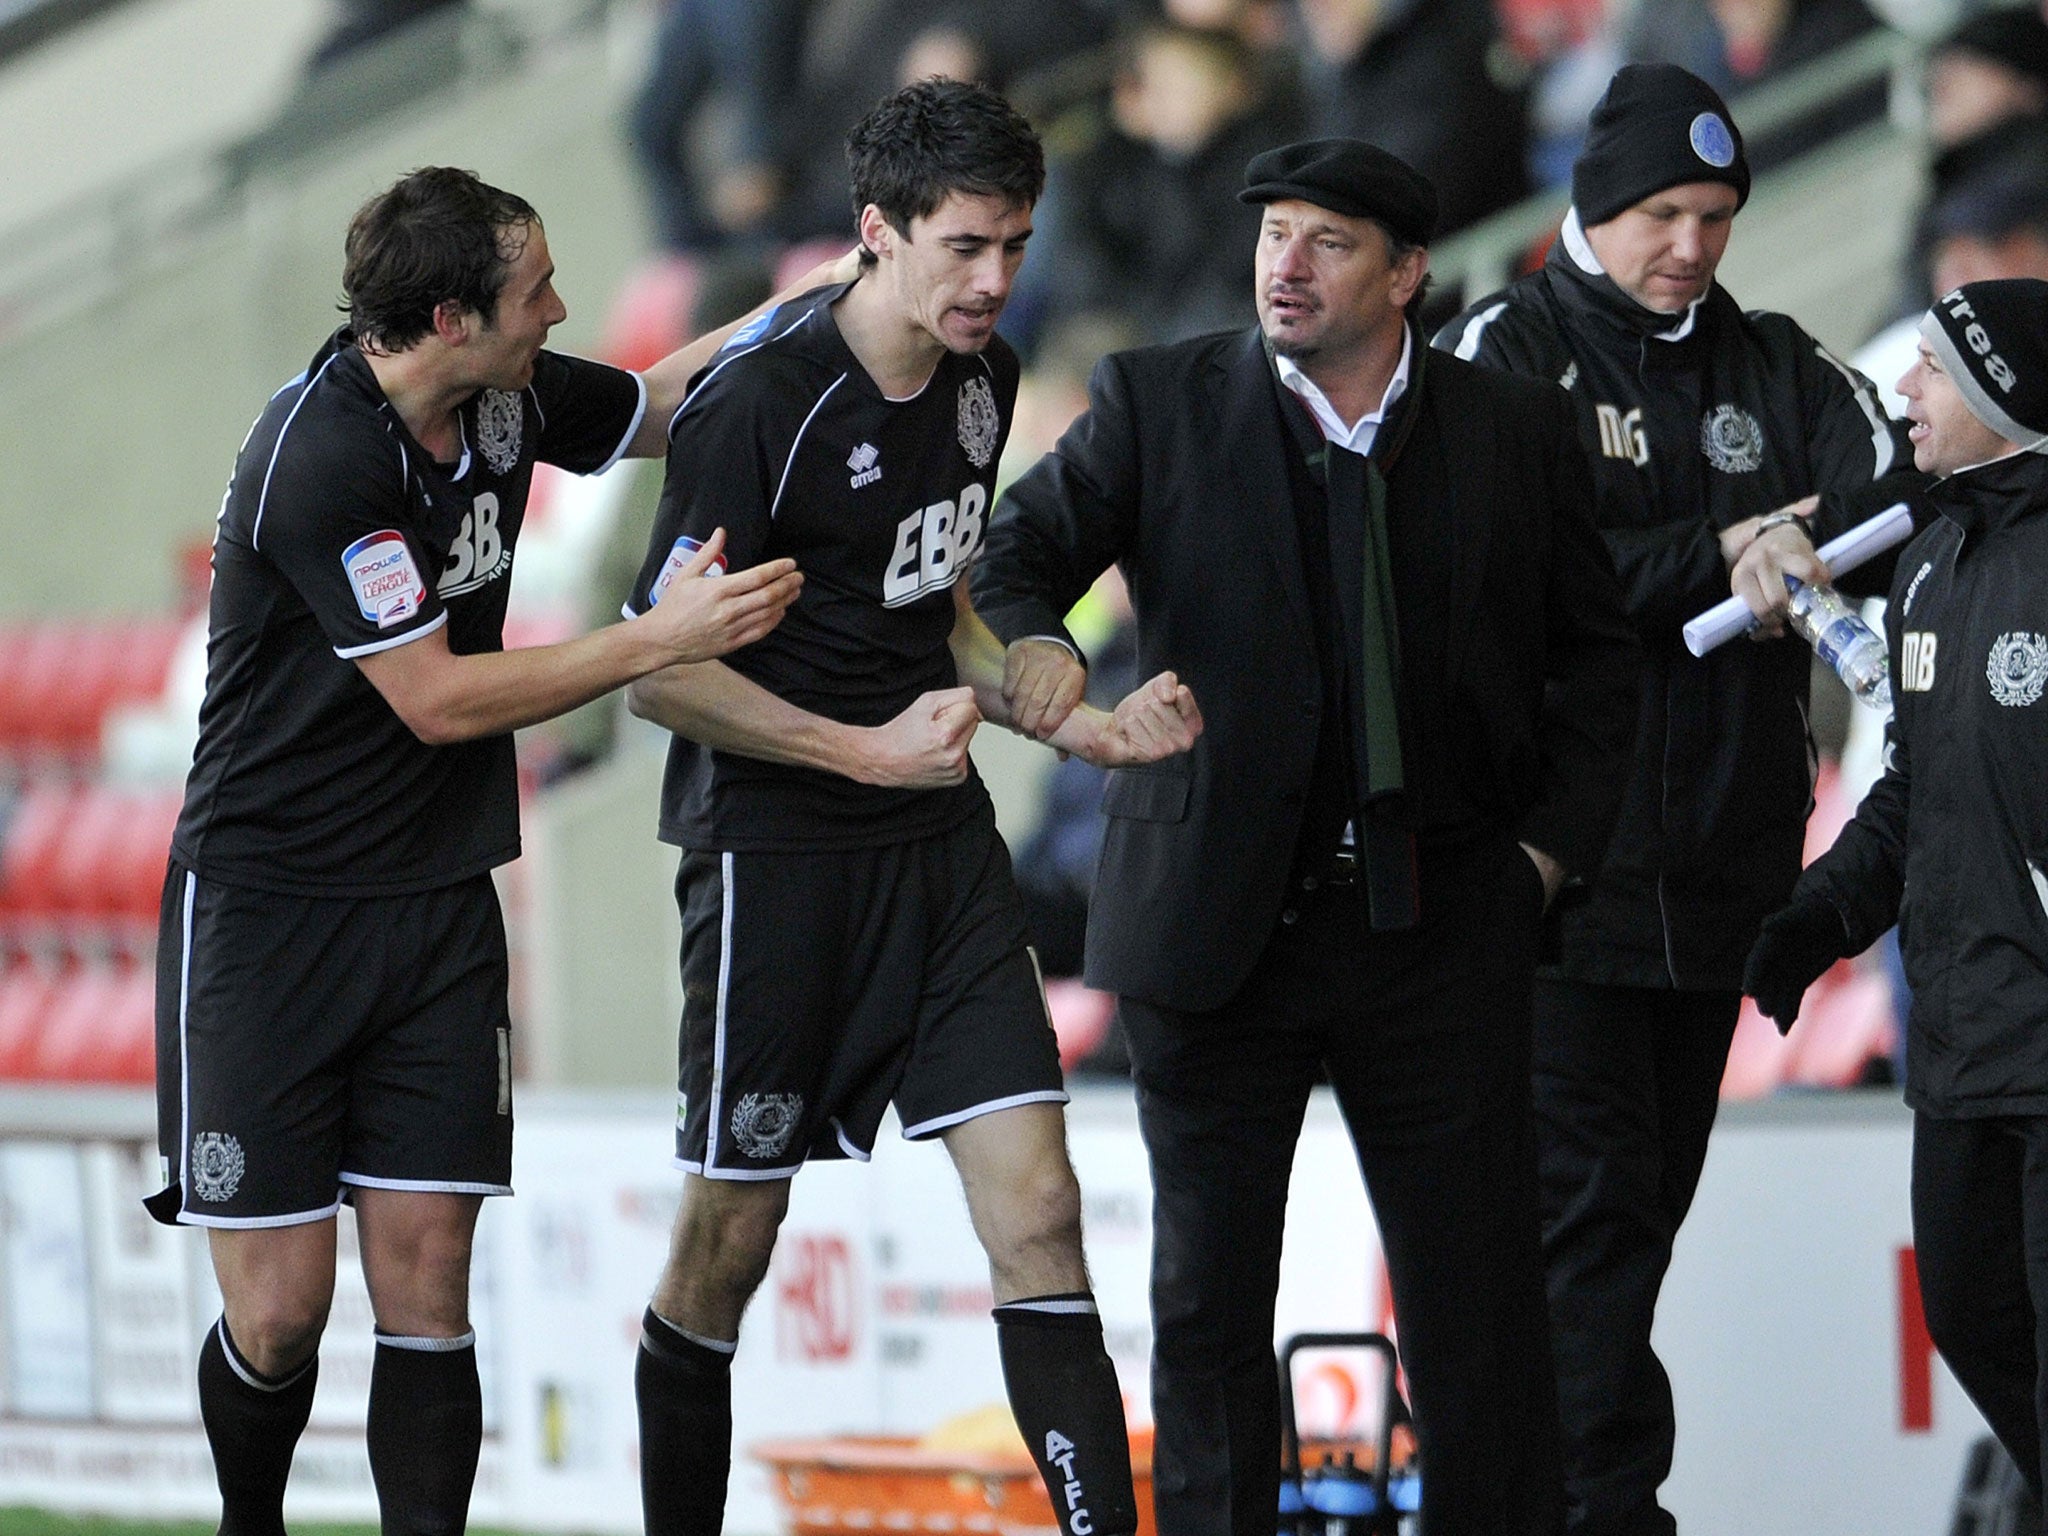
(25, 993)
(34, 837)
(131, 875)
(99, 1028)
(650, 318)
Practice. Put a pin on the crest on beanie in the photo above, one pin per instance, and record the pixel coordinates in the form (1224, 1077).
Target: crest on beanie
(1712, 141)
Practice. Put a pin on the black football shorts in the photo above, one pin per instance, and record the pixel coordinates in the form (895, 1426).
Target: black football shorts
(307, 1045)
(820, 987)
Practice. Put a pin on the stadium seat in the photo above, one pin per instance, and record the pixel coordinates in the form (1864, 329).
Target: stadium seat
(34, 837)
(25, 993)
(99, 1027)
(650, 318)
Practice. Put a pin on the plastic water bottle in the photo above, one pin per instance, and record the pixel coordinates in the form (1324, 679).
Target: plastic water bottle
(1839, 636)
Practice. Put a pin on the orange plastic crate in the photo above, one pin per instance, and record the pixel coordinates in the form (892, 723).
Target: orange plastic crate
(879, 1485)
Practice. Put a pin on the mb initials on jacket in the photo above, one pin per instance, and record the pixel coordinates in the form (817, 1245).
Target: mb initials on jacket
(1916, 660)
(1059, 1452)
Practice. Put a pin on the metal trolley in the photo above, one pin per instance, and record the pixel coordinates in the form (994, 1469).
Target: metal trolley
(1340, 1496)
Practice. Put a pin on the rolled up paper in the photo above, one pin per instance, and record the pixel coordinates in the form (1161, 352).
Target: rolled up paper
(1731, 616)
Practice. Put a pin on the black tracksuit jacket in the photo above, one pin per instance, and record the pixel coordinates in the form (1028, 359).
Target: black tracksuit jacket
(1733, 415)
(1953, 840)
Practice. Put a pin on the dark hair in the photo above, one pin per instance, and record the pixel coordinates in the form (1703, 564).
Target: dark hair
(438, 234)
(935, 138)
(1398, 251)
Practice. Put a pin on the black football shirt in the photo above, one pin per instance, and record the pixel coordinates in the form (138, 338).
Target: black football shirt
(341, 537)
(789, 446)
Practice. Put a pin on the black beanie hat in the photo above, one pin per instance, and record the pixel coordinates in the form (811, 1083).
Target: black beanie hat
(1658, 126)
(1347, 176)
(1992, 338)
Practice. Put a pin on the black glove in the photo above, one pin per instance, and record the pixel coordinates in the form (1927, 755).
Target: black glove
(1794, 948)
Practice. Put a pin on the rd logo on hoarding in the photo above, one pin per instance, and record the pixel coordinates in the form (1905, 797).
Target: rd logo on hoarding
(817, 1302)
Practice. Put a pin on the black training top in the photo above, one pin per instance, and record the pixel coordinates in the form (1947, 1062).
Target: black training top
(788, 445)
(305, 780)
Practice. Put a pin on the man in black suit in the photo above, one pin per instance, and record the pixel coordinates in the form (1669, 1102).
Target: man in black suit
(1377, 567)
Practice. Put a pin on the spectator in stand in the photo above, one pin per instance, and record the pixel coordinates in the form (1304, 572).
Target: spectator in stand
(1145, 222)
(843, 73)
(1991, 225)
(1989, 71)
(1736, 45)
(797, 75)
(1987, 112)
(1263, 24)
(1419, 79)
(746, 49)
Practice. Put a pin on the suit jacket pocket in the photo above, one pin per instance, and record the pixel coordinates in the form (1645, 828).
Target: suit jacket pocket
(1146, 794)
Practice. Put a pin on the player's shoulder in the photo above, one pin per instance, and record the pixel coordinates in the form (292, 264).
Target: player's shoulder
(1525, 406)
(779, 362)
(1513, 319)
(1779, 333)
(326, 419)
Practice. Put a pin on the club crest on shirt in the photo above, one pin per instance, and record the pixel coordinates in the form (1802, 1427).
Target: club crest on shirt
(2017, 667)
(387, 584)
(217, 1165)
(498, 416)
(1732, 440)
(978, 422)
(763, 1123)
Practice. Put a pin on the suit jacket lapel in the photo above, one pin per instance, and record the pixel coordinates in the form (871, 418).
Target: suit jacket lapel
(1250, 445)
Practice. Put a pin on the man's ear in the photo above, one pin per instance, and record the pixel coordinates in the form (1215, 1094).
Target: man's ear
(451, 322)
(876, 232)
(1409, 272)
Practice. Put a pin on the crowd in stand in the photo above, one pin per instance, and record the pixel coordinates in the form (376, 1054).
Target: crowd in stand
(1151, 107)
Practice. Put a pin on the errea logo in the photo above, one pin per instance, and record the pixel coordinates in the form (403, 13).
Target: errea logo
(1980, 341)
(865, 462)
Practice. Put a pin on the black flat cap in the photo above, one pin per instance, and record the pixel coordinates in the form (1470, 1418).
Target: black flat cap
(1347, 176)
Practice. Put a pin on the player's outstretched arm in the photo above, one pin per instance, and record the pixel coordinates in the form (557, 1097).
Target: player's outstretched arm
(924, 747)
(444, 697)
(668, 381)
(1029, 687)
(1155, 720)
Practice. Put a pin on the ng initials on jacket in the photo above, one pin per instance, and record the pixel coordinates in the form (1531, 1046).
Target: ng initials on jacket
(1621, 435)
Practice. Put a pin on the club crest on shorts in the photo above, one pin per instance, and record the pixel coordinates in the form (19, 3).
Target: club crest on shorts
(216, 1165)
(1732, 440)
(978, 421)
(2017, 667)
(763, 1123)
(497, 429)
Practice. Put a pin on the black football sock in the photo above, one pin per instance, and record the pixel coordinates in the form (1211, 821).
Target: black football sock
(1064, 1395)
(426, 1426)
(253, 1422)
(683, 1384)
